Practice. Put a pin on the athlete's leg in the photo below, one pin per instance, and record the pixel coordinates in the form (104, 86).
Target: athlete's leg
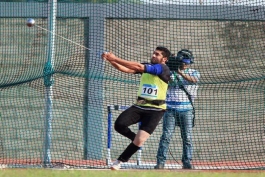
(128, 117)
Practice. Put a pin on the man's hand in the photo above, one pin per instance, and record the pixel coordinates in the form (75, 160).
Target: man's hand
(179, 71)
(108, 56)
(123, 65)
(187, 76)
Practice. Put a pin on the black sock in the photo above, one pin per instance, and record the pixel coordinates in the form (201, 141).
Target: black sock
(128, 152)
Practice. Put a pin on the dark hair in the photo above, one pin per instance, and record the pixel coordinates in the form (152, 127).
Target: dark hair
(165, 51)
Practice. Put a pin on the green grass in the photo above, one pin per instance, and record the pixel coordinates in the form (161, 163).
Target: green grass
(127, 173)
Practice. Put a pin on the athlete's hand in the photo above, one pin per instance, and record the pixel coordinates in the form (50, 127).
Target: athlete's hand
(108, 56)
(104, 55)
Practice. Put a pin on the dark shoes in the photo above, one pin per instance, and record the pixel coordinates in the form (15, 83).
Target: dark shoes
(159, 166)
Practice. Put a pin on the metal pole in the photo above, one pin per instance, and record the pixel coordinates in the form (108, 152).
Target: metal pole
(48, 82)
(139, 155)
(108, 160)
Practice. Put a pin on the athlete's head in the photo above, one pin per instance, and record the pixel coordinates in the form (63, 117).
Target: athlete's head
(160, 55)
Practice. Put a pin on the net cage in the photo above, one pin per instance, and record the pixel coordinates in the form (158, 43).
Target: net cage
(59, 99)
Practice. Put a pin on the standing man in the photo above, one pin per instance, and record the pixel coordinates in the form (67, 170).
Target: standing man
(150, 105)
(180, 111)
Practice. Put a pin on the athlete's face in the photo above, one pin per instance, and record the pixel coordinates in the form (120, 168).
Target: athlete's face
(158, 57)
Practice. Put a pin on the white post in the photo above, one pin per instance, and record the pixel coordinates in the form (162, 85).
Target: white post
(48, 82)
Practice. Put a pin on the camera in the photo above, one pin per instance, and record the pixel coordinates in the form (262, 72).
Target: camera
(183, 56)
(174, 63)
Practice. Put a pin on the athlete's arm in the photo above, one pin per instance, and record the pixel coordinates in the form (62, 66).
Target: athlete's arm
(156, 69)
(121, 68)
(132, 67)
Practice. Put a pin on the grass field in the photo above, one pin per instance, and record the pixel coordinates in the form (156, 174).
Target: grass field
(126, 173)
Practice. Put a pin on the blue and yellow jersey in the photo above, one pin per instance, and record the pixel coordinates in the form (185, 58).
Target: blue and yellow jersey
(154, 85)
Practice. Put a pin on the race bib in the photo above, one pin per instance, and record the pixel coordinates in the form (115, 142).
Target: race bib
(149, 91)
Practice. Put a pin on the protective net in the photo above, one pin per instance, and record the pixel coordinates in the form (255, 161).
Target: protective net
(59, 99)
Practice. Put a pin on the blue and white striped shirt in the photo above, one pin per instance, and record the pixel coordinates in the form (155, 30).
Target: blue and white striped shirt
(177, 98)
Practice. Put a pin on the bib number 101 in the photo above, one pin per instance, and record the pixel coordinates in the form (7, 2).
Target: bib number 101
(149, 91)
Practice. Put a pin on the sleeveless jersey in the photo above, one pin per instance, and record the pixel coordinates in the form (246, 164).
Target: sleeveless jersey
(152, 87)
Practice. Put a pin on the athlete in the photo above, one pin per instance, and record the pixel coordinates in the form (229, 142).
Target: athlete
(150, 105)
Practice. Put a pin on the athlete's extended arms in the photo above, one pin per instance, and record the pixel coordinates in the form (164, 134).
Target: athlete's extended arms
(121, 68)
(123, 65)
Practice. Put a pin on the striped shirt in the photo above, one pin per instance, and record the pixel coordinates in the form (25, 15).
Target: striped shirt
(177, 98)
